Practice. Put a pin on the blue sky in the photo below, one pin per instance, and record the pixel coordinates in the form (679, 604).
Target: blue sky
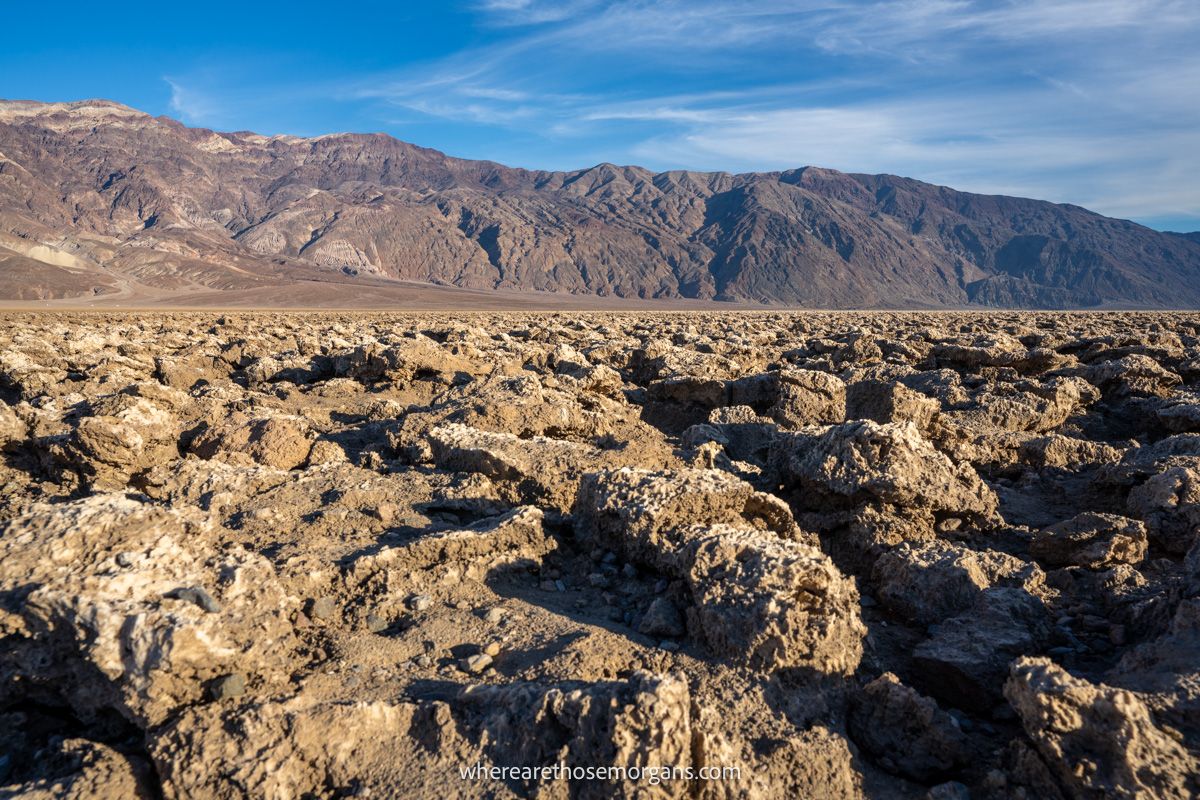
(1095, 102)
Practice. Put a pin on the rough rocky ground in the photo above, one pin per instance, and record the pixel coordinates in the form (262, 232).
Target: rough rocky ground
(851, 555)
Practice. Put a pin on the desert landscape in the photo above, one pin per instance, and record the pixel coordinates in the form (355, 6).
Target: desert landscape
(104, 205)
(588, 399)
(713, 555)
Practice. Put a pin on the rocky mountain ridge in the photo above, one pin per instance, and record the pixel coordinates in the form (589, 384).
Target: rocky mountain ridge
(100, 200)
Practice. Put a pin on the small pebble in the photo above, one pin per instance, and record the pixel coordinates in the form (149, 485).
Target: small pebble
(476, 663)
(229, 687)
(949, 525)
(629, 571)
(949, 791)
(376, 623)
(662, 619)
(197, 595)
(492, 649)
(420, 602)
(494, 615)
(320, 608)
(668, 645)
(385, 513)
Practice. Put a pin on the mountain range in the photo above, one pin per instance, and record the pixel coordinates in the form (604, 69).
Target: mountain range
(101, 201)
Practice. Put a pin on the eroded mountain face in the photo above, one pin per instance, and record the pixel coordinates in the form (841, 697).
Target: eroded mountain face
(97, 199)
(886, 556)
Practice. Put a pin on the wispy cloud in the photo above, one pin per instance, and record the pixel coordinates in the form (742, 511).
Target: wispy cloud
(192, 105)
(533, 12)
(993, 149)
(957, 25)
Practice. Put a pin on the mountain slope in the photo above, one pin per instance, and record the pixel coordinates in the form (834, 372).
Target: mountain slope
(136, 200)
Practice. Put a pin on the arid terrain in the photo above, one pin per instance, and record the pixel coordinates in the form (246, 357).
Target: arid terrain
(884, 555)
(101, 203)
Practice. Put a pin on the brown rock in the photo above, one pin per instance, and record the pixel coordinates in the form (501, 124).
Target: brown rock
(890, 463)
(888, 402)
(893, 722)
(117, 644)
(1091, 540)
(931, 582)
(760, 595)
(279, 442)
(1100, 741)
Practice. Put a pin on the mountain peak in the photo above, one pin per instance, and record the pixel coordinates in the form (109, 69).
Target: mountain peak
(12, 109)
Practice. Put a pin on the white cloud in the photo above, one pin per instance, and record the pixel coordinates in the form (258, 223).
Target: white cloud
(533, 12)
(702, 26)
(192, 105)
(958, 24)
(991, 148)
(493, 93)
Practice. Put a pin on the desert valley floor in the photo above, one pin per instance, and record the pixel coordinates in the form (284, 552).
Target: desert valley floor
(885, 555)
